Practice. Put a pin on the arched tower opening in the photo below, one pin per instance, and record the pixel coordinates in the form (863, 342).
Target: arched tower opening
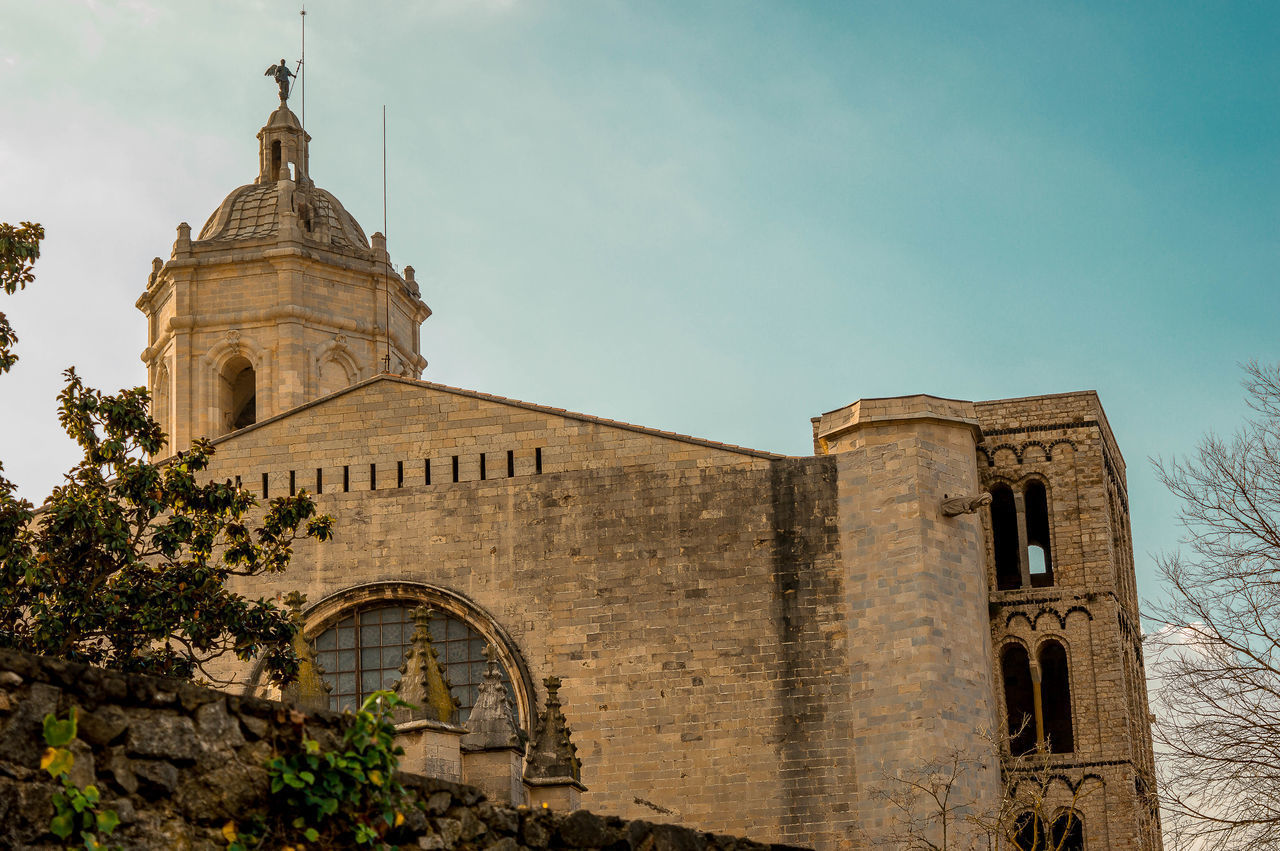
(1055, 689)
(1004, 532)
(1019, 699)
(239, 392)
(1039, 559)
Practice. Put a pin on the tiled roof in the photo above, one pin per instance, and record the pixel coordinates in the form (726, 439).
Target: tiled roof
(252, 212)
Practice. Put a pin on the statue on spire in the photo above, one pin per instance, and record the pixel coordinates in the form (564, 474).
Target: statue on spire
(281, 73)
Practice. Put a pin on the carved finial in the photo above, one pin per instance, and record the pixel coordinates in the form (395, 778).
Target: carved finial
(552, 754)
(957, 505)
(295, 601)
(309, 691)
(422, 678)
(182, 245)
(492, 724)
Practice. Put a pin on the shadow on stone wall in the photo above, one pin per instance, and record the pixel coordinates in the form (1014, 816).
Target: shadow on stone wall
(177, 761)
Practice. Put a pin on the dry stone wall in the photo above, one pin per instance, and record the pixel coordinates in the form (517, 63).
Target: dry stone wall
(177, 761)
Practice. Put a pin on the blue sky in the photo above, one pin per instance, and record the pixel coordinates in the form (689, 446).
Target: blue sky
(720, 218)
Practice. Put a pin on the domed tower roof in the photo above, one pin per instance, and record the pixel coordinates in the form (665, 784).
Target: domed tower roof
(283, 197)
(253, 212)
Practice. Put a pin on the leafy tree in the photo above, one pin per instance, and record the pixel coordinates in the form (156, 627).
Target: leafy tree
(19, 248)
(1217, 665)
(126, 563)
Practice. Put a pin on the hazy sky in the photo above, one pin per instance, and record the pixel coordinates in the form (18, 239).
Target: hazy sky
(720, 218)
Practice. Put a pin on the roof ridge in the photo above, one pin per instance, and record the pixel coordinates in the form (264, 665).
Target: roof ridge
(506, 400)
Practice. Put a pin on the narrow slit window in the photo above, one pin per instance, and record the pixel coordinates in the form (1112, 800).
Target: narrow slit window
(426, 466)
(346, 478)
(373, 477)
(483, 474)
(293, 483)
(319, 480)
(264, 485)
(511, 463)
(455, 468)
(399, 474)
(537, 460)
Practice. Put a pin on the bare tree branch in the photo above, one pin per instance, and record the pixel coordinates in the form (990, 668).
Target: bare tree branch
(1216, 665)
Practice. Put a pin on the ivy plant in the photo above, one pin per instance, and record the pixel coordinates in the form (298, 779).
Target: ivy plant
(334, 798)
(77, 821)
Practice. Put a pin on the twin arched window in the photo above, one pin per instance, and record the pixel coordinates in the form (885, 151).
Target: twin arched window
(1037, 699)
(1020, 532)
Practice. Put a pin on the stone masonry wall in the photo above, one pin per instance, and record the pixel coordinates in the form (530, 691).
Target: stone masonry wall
(689, 594)
(177, 761)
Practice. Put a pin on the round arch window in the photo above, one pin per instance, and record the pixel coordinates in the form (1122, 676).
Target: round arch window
(362, 652)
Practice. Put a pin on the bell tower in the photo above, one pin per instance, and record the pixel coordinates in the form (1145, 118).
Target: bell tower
(278, 300)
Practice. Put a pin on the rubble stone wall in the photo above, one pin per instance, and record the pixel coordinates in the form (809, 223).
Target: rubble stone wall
(177, 761)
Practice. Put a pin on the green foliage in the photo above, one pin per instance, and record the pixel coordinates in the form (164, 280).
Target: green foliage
(126, 563)
(334, 799)
(75, 810)
(19, 248)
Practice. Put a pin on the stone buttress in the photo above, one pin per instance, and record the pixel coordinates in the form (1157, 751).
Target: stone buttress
(916, 589)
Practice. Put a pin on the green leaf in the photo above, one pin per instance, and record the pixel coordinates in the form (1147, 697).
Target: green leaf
(57, 761)
(311, 834)
(58, 733)
(108, 820)
(61, 825)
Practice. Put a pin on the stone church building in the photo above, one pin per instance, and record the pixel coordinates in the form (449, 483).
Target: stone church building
(749, 642)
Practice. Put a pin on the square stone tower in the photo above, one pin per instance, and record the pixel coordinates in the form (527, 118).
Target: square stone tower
(279, 300)
(1064, 612)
